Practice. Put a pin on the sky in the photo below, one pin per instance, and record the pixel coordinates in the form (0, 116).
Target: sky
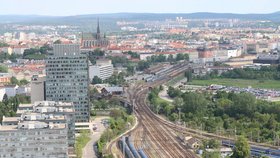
(78, 7)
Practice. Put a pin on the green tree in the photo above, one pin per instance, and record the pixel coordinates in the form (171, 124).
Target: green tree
(3, 69)
(211, 154)
(188, 74)
(142, 65)
(57, 42)
(243, 103)
(93, 91)
(116, 113)
(45, 48)
(116, 79)
(23, 82)
(170, 58)
(174, 116)
(2, 44)
(130, 69)
(178, 102)
(133, 54)
(14, 81)
(173, 92)
(181, 56)
(96, 80)
(212, 143)
(242, 148)
(194, 103)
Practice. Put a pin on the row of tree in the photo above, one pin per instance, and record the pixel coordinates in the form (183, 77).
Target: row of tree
(223, 113)
(115, 79)
(5, 56)
(142, 65)
(8, 106)
(15, 81)
(37, 51)
(264, 73)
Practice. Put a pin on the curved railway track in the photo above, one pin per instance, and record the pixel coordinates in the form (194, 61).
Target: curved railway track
(154, 134)
(159, 135)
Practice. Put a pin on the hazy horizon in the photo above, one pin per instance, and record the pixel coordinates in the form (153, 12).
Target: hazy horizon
(84, 7)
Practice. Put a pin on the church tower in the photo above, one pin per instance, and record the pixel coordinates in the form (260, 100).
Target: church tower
(98, 37)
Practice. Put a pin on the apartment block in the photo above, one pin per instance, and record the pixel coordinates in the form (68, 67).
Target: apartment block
(48, 112)
(34, 139)
(103, 69)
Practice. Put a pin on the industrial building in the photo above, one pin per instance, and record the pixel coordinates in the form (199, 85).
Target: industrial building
(273, 58)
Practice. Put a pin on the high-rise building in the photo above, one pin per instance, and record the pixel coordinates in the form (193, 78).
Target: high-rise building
(67, 78)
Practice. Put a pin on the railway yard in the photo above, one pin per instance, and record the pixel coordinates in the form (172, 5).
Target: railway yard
(157, 137)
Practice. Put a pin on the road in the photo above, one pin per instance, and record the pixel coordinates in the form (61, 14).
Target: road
(88, 151)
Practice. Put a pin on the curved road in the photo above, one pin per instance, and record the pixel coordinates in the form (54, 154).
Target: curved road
(88, 151)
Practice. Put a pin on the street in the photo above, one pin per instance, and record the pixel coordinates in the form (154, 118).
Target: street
(88, 151)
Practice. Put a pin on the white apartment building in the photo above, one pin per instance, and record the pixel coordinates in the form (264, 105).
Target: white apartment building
(19, 49)
(234, 52)
(102, 69)
(49, 112)
(2, 93)
(11, 91)
(34, 139)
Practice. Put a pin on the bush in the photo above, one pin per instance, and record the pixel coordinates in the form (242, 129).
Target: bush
(81, 142)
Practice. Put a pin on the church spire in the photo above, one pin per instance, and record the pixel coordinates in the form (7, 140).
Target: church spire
(98, 30)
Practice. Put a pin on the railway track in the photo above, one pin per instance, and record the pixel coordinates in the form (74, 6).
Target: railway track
(158, 139)
(159, 134)
(155, 135)
(156, 131)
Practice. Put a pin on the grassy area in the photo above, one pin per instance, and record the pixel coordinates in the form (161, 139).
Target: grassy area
(35, 56)
(81, 142)
(160, 101)
(266, 84)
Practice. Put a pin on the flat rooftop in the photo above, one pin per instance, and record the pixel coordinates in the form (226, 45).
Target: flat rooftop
(11, 119)
(30, 125)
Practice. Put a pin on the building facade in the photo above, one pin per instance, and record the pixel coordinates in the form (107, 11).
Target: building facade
(103, 69)
(67, 78)
(34, 139)
(38, 90)
(48, 112)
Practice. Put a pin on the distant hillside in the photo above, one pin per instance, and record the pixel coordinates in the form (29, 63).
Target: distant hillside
(132, 16)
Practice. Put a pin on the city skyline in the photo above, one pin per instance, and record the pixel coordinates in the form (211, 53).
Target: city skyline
(35, 7)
